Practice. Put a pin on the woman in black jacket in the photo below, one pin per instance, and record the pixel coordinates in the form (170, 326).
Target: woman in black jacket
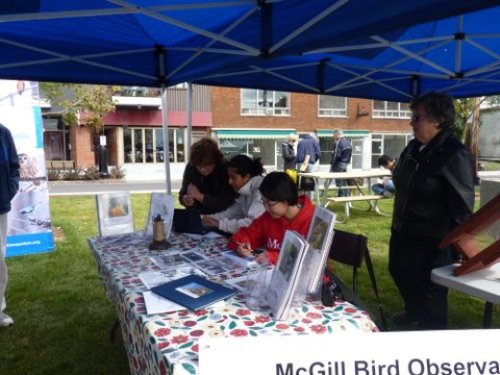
(434, 184)
(205, 184)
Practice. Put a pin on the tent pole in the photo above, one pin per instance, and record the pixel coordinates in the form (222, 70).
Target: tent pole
(189, 120)
(166, 145)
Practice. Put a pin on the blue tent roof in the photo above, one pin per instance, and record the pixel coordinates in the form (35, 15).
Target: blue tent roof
(459, 55)
(294, 45)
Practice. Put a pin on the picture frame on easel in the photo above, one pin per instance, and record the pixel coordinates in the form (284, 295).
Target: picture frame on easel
(464, 239)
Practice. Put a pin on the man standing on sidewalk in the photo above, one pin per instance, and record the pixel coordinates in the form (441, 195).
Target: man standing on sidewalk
(341, 157)
(9, 184)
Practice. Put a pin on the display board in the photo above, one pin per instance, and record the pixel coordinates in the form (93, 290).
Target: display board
(29, 225)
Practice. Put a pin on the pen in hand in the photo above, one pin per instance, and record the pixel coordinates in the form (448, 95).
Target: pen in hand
(244, 249)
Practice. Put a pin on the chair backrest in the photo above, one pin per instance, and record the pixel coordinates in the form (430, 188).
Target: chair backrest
(162, 204)
(351, 249)
(114, 213)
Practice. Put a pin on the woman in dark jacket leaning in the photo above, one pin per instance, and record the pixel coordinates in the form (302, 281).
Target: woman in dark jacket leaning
(205, 184)
(434, 185)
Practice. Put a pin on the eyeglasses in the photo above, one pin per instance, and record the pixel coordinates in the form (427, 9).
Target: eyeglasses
(417, 118)
(267, 203)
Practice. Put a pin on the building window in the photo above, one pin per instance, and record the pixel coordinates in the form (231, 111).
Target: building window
(389, 144)
(385, 109)
(56, 140)
(264, 103)
(145, 145)
(332, 106)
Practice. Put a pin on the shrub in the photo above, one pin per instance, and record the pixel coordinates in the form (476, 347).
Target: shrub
(92, 173)
(72, 174)
(117, 172)
(53, 174)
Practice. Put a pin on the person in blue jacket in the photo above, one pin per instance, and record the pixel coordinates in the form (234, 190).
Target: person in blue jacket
(9, 184)
(341, 157)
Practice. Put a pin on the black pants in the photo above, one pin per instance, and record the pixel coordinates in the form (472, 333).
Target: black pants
(411, 261)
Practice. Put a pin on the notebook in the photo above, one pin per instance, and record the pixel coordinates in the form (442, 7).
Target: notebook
(193, 291)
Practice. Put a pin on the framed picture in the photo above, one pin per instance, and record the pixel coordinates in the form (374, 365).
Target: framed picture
(475, 240)
(193, 291)
(319, 236)
(114, 213)
(161, 204)
(286, 274)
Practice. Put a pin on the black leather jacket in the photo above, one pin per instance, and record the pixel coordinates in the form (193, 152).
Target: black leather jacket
(219, 195)
(434, 187)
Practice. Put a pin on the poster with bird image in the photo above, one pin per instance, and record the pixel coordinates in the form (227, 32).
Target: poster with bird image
(29, 224)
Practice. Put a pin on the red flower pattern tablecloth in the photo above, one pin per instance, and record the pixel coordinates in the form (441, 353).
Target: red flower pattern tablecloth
(168, 343)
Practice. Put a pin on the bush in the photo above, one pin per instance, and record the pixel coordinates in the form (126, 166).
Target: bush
(53, 174)
(117, 172)
(73, 174)
(92, 173)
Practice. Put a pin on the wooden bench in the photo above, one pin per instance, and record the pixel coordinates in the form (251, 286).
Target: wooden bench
(371, 199)
(60, 165)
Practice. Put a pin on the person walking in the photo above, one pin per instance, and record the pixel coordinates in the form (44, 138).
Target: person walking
(308, 153)
(434, 193)
(341, 157)
(288, 152)
(9, 185)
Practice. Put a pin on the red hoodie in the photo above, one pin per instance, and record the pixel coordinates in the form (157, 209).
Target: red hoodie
(268, 232)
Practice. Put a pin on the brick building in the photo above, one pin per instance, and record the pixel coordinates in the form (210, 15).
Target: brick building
(242, 120)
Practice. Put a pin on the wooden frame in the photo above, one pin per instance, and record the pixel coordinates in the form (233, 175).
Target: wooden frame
(463, 238)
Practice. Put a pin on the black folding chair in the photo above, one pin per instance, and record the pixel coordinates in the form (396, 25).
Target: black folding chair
(351, 249)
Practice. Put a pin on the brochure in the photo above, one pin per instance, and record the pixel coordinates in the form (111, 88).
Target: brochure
(193, 291)
(319, 237)
(286, 275)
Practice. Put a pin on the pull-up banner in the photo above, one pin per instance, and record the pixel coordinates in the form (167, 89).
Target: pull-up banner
(29, 225)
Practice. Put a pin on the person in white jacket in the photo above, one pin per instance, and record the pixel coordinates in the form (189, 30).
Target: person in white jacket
(245, 176)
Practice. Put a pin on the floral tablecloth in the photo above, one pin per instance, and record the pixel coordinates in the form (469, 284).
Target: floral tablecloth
(168, 343)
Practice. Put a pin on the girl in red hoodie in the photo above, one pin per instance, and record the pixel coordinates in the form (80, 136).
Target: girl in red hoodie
(285, 210)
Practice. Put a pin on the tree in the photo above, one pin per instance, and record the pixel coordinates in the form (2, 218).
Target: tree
(468, 121)
(82, 105)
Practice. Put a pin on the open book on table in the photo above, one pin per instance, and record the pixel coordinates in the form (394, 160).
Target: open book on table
(286, 274)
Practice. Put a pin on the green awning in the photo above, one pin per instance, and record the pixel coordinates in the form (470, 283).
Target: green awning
(324, 133)
(253, 133)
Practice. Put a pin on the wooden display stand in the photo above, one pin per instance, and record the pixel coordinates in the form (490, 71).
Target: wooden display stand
(463, 238)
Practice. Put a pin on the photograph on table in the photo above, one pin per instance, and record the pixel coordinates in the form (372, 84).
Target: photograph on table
(285, 277)
(210, 267)
(114, 213)
(193, 256)
(168, 261)
(162, 205)
(320, 238)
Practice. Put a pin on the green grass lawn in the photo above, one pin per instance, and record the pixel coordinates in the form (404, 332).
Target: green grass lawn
(62, 316)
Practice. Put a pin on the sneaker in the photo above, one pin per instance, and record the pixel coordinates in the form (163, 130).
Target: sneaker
(387, 194)
(402, 318)
(5, 320)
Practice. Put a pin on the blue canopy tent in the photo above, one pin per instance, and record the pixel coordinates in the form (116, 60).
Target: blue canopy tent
(164, 42)
(344, 47)
(458, 55)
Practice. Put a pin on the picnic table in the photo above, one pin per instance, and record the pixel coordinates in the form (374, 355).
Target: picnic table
(358, 180)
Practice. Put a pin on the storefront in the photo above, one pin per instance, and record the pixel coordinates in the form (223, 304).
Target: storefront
(262, 143)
